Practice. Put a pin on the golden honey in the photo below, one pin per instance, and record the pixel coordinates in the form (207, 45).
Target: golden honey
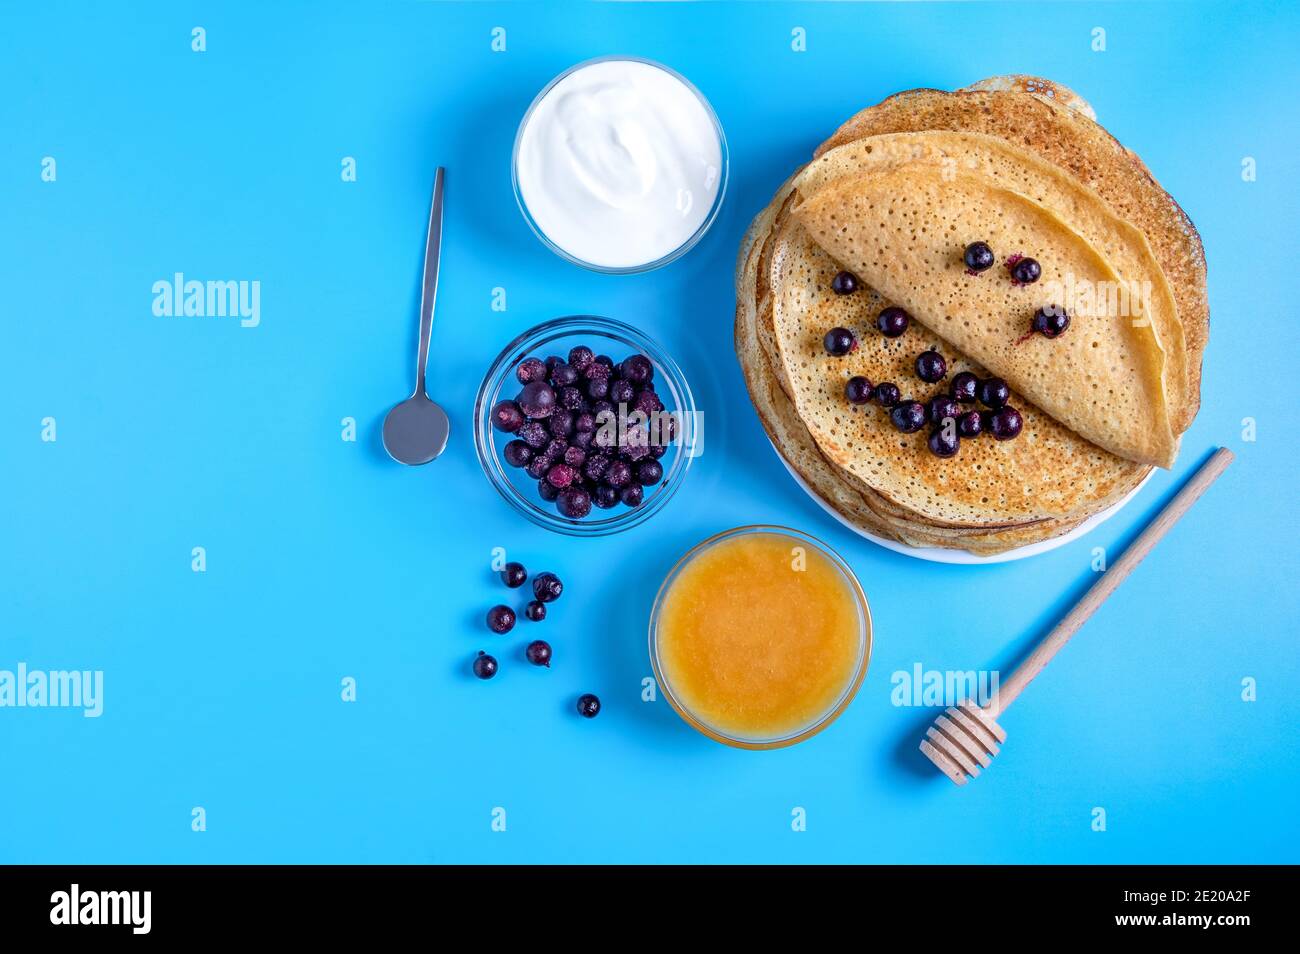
(760, 635)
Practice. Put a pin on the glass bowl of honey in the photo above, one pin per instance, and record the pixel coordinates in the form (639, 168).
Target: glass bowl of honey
(760, 636)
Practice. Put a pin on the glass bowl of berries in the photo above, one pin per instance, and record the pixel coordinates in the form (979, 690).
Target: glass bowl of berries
(585, 425)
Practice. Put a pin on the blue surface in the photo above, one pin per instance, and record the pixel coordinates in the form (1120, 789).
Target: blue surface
(326, 561)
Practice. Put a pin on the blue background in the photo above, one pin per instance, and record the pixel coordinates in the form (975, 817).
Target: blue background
(326, 560)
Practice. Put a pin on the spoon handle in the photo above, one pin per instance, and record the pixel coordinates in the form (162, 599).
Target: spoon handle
(432, 246)
(1111, 579)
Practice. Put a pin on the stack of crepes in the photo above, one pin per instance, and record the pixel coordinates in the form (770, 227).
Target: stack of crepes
(893, 197)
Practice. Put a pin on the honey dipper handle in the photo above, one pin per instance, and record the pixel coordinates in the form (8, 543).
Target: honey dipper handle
(1111, 579)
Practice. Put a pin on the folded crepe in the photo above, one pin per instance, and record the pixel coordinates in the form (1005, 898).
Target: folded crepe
(993, 496)
(862, 509)
(1056, 125)
(903, 233)
(1002, 164)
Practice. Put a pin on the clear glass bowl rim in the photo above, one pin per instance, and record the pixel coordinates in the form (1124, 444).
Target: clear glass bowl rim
(532, 341)
(850, 689)
(724, 172)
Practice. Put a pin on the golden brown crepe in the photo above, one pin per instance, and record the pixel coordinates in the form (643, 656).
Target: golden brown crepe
(1043, 118)
(903, 232)
(1001, 163)
(857, 500)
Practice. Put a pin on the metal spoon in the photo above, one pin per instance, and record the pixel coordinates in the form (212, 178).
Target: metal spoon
(415, 431)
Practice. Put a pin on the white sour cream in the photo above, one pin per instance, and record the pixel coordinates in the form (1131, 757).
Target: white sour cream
(619, 163)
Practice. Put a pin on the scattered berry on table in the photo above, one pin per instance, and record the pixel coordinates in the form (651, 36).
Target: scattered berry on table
(547, 587)
(485, 666)
(501, 619)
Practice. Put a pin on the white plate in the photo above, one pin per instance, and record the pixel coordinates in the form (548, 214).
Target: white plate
(944, 555)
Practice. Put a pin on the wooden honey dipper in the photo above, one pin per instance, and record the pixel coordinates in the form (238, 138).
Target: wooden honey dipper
(964, 739)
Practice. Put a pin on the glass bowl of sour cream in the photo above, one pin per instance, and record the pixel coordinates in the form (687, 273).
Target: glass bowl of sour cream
(620, 165)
